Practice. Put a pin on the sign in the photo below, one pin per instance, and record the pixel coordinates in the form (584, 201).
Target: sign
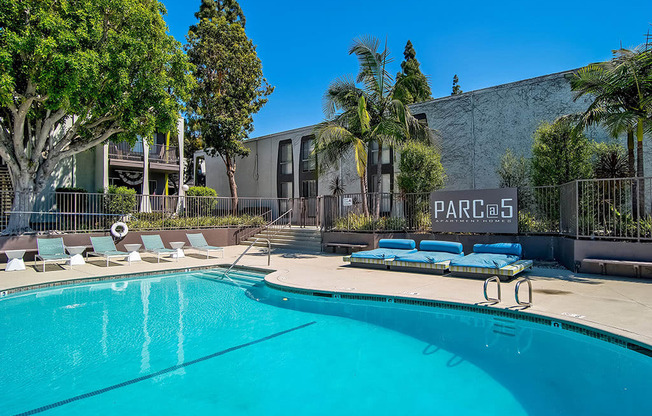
(475, 211)
(347, 202)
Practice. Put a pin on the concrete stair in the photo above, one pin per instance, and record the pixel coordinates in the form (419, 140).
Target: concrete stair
(305, 240)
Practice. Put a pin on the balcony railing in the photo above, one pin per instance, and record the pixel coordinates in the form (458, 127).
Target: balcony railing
(125, 151)
(160, 153)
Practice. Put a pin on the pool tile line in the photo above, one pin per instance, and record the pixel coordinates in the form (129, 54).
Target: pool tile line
(161, 372)
(605, 336)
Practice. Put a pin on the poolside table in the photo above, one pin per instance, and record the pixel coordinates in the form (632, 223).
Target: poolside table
(178, 246)
(76, 257)
(15, 260)
(133, 255)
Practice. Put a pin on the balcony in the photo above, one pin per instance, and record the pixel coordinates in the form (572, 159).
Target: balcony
(161, 157)
(164, 158)
(126, 155)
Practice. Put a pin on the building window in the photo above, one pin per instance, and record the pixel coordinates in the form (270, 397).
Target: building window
(309, 188)
(286, 190)
(285, 159)
(285, 170)
(386, 157)
(308, 159)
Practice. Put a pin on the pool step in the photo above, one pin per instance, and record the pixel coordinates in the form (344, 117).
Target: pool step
(305, 240)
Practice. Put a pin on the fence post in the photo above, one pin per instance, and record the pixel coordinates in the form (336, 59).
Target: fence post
(577, 209)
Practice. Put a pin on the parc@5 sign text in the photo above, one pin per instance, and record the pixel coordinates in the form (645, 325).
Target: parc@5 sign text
(475, 211)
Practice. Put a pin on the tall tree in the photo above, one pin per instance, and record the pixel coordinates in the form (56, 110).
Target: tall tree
(357, 116)
(230, 83)
(412, 85)
(456, 87)
(620, 89)
(75, 74)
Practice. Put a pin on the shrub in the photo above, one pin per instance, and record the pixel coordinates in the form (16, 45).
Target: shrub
(560, 154)
(420, 167)
(154, 221)
(610, 161)
(201, 199)
(361, 222)
(120, 200)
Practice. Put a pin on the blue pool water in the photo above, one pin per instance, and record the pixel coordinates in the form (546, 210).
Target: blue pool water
(188, 344)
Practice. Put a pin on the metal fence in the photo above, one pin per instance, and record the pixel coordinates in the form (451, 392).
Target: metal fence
(93, 212)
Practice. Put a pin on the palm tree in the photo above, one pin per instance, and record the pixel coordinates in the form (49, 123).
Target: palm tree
(622, 100)
(357, 116)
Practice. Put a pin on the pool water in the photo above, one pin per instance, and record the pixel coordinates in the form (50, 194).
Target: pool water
(191, 344)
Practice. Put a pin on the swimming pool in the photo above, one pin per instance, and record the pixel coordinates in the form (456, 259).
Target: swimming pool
(190, 344)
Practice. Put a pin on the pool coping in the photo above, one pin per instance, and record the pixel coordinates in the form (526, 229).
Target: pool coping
(614, 336)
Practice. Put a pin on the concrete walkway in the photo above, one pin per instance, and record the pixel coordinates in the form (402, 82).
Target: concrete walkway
(619, 305)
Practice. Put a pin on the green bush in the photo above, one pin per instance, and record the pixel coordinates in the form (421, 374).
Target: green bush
(154, 221)
(361, 222)
(421, 170)
(120, 200)
(71, 189)
(201, 199)
(560, 154)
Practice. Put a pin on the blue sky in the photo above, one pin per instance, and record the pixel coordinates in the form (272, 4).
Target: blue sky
(303, 44)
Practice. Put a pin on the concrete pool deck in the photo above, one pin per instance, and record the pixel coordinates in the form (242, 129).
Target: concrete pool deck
(622, 306)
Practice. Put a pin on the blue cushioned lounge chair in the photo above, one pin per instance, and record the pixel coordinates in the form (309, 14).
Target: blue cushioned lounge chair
(51, 250)
(198, 242)
(387, 250)
(105, 247)
(154, 245)
(433, 257)
(502, 260)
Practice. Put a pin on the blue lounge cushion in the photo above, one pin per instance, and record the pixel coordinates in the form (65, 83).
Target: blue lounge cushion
(513, 249)
(442, 246)
(427, 257)
(381, 253)
(485, 260)
(397, 243)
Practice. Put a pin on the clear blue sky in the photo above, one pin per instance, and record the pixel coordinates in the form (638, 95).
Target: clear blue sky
(303, 44)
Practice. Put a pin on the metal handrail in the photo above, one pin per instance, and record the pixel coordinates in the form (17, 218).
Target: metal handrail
(518, 285)
(287, 213)
(486, 283)
(269, 251)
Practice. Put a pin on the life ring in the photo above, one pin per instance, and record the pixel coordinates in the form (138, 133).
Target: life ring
(119, 234)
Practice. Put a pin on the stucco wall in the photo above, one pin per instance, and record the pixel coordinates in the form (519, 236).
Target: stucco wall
(475, 129)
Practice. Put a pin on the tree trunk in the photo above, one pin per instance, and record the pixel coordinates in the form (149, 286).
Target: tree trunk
(640, 169)
(233, 187)
(630, 153)
(22, 206)
(631, 160)
(364, 190)
(379, 179)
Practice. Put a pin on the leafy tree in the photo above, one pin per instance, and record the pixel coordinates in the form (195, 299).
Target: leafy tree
(358, 116)
(560, 154)
(414, 86)
(75, 74)
(621, 90)
(456, 88)
(420, 167)
(514, 172)
(230, 83)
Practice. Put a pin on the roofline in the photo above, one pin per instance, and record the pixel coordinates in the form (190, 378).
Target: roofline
(449, 97)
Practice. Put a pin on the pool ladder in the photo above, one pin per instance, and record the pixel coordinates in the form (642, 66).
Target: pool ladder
(516, 290)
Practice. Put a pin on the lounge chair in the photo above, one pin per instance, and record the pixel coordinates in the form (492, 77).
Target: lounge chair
(51, 250)
(154, 245)
(502, 260)
(387, 250)
(105, 247)
(198, 242)
(433, 256)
